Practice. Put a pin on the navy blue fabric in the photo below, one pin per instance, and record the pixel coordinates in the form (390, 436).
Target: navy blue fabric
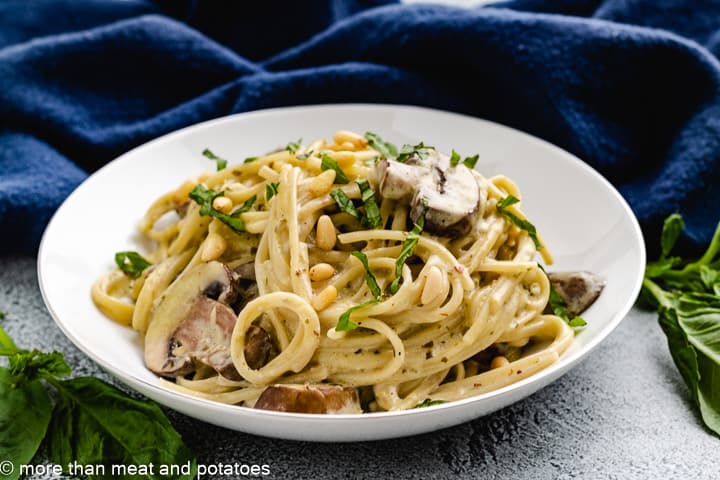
(631, 87)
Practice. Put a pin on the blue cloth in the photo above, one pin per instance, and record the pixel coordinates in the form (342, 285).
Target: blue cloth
(631, 87)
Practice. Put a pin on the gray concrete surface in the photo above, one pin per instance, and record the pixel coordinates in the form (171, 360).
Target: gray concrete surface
(623, 413)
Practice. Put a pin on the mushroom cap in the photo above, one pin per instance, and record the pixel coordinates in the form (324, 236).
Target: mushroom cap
(191, 321)
(310, 399)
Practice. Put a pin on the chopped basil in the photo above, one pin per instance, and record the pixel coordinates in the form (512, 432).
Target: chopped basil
(372, 218)
(408, 248)
(344, 322)
(204, 197)
(292, 147)
(132, 263)
(471, 161)
(221, 162)
(420, 150)
(344, 203)
(519, 222)
(454, 158)
(386, 149)
(369, 277)
(329, 163)
(250, 159)
(304, 156)
(271, 190)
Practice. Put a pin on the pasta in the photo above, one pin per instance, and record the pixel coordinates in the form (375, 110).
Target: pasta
(336, 277)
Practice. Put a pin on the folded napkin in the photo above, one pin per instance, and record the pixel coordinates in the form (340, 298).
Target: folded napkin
(629, 86)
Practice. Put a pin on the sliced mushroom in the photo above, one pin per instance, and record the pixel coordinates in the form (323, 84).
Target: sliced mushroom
(450, 196)
(578, 289)
(399, 181)
(194, 322)
(310, 399)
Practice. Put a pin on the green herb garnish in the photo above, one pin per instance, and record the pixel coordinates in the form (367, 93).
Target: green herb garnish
(87, 413)
(220, 162)
(329, 163)
(204, 197)
(454, 158)
(271, 190)
(369, 277)
(519, 222)
(420, 150)
(429, 403)
(344, 203)
(687, 298)
(408, 248)
(304, 156)
(372, 218)
(250, 159)
(132, 263)
(344, 322)
(471, 161)
(293, 147)
(386, 149)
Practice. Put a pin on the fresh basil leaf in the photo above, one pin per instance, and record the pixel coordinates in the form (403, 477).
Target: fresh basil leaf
(96, 424)
(35, 365)
(304, 156)
(408, 248)
(220, 162)
(692, 328)
(344, 322)
(690, 316)
(470, 162)
(131, 263)
(454, 158)
(271, 190)
(519, 222)
(250, 159)
(386, 149)
(247, 205)
(420, 150)
(672, 227)
(344, 203)
(372, 218)
(329, 163)
(204, 197)
(24, 417)
(293, 147)
(429, 403)
(369, 277)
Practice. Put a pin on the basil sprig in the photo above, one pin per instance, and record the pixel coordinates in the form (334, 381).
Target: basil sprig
(85, 421)
(686, 294)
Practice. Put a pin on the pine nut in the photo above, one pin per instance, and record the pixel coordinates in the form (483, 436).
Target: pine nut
(321, 184)
(346, 136)
(432, 287)
(215, 246)
(325, 236)
(324, 298)
(499, 361)
(321, 271)
(222, 204)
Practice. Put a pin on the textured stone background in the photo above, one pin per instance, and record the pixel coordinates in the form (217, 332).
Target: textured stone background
(623, 413)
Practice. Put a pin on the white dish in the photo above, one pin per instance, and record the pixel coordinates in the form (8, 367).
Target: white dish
(583, 219)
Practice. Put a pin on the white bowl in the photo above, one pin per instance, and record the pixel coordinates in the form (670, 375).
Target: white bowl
(584, 220)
